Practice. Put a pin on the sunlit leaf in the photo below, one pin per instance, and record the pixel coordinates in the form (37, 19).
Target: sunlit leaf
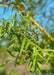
(28, 42)
(35, 61)
(23, 43)
(10, 27)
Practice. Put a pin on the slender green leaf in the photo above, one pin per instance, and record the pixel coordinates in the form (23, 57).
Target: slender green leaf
(10, 53)
(48, 58)
(28, 42)
(1, 65)
(35, 45)
(0, 32)
(10, 26)
(46, 50)
(40, 56)
(23, 43)
(35, 61)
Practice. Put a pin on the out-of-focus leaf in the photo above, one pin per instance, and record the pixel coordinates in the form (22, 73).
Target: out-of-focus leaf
(1, 65)
(39, 70)
(40, 56)
(51, 55)
(0, 31)
(10, 26)
(23, 43)
(29, 70)
(35, 45)
(21, 61)
(35, 61)
(46, 50)
(27, 24)
(10, 53)
(28, 42)
(32, 26)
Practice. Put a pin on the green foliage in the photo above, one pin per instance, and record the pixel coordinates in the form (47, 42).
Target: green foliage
(35, 61)
(27, 43)
(1, 65)
(23, 43)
